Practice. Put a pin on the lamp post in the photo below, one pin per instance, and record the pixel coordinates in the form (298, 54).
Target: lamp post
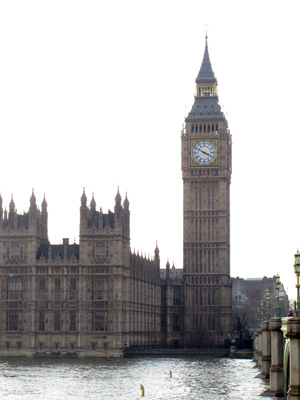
(297, 272)
(267, 297)
(277, 287)
(257, 317)
(262, 310)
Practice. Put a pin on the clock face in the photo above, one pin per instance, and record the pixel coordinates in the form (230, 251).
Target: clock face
(204, 152)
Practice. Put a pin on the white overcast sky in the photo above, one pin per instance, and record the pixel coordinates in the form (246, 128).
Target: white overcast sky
(94, 94)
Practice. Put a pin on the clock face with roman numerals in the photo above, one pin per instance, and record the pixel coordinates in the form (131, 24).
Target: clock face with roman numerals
(204, 152)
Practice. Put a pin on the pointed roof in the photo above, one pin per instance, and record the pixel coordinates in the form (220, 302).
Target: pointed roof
(206, 107)
(12, 204)
(126, 201)
(44, 203)
(32, 199)
(83, 198)
(118, 197)
(206, 73)
(93, 203)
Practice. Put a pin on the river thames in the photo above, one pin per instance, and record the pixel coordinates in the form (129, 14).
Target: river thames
(101, 379)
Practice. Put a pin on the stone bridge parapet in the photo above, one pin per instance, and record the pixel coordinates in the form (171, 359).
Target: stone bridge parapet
(277, 353)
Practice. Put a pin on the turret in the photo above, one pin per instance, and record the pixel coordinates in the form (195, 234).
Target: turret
(118, 220)
(12, 205)
(32, 210)
(83, 211)
(93, 204)
(126, 203)
(33, 206)
(156, 252)
(11, 213)
(44, 204)
(101, 217)
(156, 255)
(126, 220)
(118, 207)
(44, 221)
(93, 215)
(168, 271)
(83, 199)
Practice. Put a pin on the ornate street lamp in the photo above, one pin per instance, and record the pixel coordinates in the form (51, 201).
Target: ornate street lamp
(262, 310)
(277, 287)
(267, 297)
(297, 272)
(258, 317)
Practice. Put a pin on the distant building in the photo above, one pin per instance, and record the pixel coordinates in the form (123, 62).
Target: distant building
(85, 298)
(248, 293)
(98, 296)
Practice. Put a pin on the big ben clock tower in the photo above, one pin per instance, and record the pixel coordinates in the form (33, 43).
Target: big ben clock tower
(206, 172)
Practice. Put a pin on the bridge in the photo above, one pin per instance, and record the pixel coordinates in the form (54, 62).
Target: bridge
(277, 354)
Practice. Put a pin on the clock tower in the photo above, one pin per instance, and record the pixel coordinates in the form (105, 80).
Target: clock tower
(206, 172)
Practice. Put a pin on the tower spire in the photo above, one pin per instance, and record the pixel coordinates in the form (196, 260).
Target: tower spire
(44, 221)
(44, 203)
(32, 200)
(118, 198)
(206, 72)
(206, 106)
(83, 198)
(12, 205)
(93, 203)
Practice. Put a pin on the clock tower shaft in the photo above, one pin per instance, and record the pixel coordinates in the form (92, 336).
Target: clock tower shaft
(206, 173)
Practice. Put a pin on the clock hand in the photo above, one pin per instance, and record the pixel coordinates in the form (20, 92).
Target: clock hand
(204, 152)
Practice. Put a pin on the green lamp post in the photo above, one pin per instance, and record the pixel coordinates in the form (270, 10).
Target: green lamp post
(261, 310)
(267, 297)
(297, 272)
(277, 287)
(258, 317)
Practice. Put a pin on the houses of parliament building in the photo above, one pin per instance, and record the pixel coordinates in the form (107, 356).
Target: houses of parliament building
(99, 297)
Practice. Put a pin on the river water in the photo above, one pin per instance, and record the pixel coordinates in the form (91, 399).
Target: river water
(101, 379)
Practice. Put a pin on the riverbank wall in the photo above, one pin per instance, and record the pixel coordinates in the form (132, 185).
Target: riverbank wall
(140, 353)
